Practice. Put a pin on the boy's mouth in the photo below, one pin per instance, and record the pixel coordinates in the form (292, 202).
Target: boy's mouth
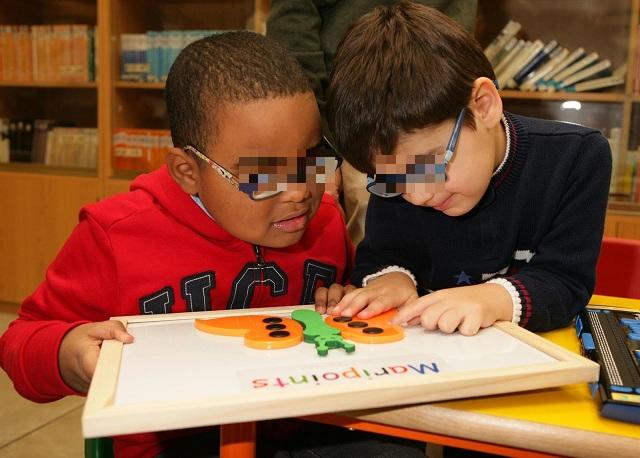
(293, 222)
(442, 206)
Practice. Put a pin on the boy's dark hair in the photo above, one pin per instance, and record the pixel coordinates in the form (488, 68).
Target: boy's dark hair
(231, 67)
(399, 68)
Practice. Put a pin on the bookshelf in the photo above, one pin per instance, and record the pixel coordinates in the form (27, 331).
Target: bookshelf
(610, 29)
(40, 203)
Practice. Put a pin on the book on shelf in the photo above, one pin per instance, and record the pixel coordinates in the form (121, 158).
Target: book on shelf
(5, 147)
(506, 35)
(572, 58)
(615, 141)
(60, 52)
(557, 56)
(134, 64)
(596, 84)
(506, 49)
(528, 52)
(147, 57)
(535, 66)
(45, 141)
(141, 150)
(571, 69)
(509, 56)
(616, 79)
(538, 59)
(75, 147)
(598, 69)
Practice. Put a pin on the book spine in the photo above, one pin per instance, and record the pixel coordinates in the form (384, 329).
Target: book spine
(527, 56)
(508, 31)
(593, 70)
(598, 83)
(540, 58)
(571, 69)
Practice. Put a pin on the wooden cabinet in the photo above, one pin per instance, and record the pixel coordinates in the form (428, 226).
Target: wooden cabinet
(38, 213)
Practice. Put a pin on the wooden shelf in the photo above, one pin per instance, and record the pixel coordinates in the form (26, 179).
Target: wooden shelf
(27, 167)
(631, 208)
(563, 96)
(137, 85)
(51, 84)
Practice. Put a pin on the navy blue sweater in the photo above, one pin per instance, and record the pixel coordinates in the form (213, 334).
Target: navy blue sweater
(539, 225)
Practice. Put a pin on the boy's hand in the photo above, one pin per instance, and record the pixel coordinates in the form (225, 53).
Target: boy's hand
(79, 351)
(327, 298)
(466, 308)
(391, 290)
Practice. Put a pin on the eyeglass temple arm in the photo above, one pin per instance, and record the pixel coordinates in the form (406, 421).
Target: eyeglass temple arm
(454, 138)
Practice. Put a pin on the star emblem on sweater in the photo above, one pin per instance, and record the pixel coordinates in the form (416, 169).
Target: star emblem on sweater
(462, 277)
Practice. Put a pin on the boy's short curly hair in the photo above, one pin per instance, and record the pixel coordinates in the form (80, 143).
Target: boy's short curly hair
(230, 67)
(398, 69)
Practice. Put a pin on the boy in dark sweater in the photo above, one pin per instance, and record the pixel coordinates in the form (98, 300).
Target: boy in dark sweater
(311, 30)
(476, 215)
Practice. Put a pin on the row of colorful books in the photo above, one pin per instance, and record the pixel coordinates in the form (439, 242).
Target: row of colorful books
(537, 66)
(149, 56)
(44, 141)
(60, 52)
(140, 150)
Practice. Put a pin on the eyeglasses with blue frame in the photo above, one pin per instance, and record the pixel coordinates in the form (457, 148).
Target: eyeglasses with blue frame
(378, 187)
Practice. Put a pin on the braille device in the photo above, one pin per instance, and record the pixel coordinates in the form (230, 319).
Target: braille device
(611, 337)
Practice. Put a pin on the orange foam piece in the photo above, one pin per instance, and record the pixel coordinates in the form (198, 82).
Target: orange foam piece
(390, 332)
(257, 333)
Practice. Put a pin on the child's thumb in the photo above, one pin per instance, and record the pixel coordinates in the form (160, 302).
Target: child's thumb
(114, 329)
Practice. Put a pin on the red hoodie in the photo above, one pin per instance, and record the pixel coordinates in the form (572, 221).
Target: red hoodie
(153, 250)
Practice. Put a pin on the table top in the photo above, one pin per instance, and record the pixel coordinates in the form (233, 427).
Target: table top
(563, 420)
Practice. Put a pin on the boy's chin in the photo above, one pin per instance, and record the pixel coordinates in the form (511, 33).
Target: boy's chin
(282, 240)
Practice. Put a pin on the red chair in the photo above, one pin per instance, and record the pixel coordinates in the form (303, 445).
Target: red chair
(618, 269)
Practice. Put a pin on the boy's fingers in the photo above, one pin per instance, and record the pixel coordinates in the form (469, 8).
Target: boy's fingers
(376, 307)
(450, 319)
(336, 292)
(320, 299)
(349, 288)
(470, 325)
(413, 309)
(112, 329)
(360, 299)
(431, 317)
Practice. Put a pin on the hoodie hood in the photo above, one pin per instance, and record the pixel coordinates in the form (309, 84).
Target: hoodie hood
(168, 195)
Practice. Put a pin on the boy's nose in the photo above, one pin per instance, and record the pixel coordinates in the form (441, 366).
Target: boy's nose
(417, 198)
(297, 192)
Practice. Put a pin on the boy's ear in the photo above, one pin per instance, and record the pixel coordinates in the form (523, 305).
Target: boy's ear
(183, 168)
(486, 102)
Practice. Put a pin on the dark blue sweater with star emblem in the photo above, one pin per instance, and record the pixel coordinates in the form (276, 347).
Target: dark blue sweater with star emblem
(539, 225)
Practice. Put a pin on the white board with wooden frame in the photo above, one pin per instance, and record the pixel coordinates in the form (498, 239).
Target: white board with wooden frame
(175, 376)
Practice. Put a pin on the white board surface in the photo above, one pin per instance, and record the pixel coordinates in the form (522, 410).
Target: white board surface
(176, 376)
(188, 364)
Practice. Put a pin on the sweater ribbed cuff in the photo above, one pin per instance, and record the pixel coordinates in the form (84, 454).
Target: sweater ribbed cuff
(44, 381)
(515, 297)
(388, 270)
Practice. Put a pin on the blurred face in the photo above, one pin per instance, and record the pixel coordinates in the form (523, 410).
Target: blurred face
(265, 144)
(420, 155)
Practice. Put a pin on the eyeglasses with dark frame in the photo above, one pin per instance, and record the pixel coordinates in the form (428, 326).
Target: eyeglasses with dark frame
(249, 188)
(451, 148)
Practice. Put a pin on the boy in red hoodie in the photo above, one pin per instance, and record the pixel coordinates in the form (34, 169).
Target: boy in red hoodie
(236, 219)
